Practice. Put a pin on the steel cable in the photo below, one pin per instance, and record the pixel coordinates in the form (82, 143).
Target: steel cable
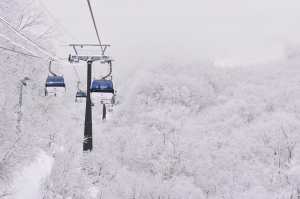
(95, 26)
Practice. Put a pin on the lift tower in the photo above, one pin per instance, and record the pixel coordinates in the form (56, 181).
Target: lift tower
(89, 59)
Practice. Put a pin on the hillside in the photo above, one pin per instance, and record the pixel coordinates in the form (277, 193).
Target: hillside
(192, 132)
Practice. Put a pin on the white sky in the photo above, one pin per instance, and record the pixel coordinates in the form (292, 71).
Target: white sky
(146, 31)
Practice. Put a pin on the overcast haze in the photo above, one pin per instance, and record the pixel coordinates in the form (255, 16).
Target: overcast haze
(225, 32)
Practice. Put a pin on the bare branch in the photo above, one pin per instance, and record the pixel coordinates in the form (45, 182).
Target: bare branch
(30, 21)
(48, 33)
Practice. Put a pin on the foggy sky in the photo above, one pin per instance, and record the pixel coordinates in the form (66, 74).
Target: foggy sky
(146, 31)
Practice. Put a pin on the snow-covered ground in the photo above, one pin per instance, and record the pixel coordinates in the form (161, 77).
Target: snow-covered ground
(27, 183)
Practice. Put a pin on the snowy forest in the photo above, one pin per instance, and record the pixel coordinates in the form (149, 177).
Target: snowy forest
(194, 130)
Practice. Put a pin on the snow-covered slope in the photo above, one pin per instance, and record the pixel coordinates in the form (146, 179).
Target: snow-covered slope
(192, 132)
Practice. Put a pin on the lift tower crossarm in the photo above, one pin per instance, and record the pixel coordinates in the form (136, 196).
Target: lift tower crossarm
(102, 46)
(77, 58)
(81, 45)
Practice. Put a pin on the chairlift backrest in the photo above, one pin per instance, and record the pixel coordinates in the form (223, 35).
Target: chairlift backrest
(102, 86)
(55, 81)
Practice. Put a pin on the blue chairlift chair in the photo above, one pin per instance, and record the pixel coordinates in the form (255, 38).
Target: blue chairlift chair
(102, 86)
(54, 82)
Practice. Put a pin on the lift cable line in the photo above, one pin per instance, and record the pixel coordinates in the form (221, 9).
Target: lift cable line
(16, 31)
(95, 26)
(19, 52)
(32, 54)
(17, 44)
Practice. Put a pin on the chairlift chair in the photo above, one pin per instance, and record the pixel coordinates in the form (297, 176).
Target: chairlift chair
(102, 91)
(54, 83)
(80, 94)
